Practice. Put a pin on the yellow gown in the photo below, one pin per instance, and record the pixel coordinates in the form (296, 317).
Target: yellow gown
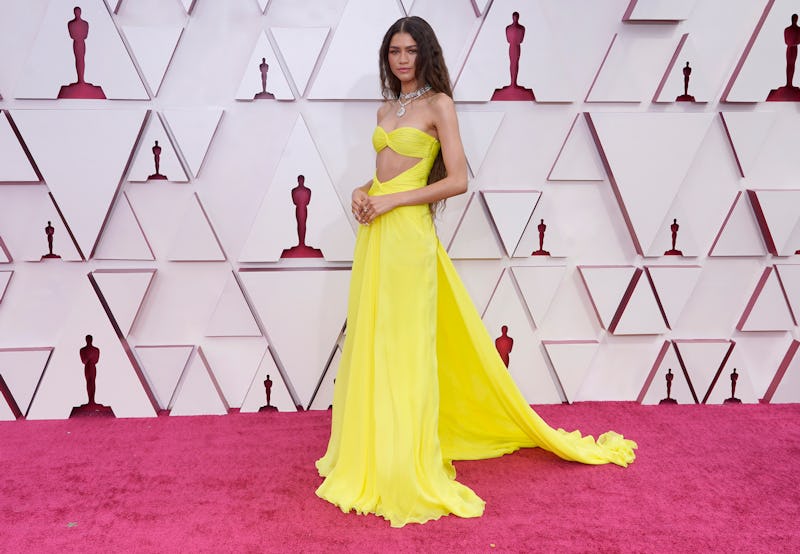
(420, 382)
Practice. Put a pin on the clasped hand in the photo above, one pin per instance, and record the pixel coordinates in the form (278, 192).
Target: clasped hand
(366, 208)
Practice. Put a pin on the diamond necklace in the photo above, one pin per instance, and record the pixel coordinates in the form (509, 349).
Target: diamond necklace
(410, 97)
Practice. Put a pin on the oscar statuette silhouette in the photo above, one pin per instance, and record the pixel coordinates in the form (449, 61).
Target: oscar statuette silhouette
(263, 67)
(669, 400)
(157, 176)
(504, 344)
(301, 197)
(515, 34)
(541, 228)
(733, 399)
(686, 97)
(50, 231)
(674, 230)
(788, 92)
(268, 389)
(90, 357)
(78, 30)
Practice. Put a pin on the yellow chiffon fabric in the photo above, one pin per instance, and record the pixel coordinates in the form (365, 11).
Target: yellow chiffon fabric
(420, 382)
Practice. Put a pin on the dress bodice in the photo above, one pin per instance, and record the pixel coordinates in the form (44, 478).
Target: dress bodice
(406, 141)
(410, 142)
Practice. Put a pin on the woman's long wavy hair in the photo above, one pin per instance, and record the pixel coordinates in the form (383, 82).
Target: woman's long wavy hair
(430, 69)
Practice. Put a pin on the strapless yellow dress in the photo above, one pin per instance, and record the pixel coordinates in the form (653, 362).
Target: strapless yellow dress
(420, 382)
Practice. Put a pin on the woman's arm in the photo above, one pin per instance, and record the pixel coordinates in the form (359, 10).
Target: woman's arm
(446, 123)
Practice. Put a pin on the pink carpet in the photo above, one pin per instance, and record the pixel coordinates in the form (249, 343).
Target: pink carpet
(707, 478)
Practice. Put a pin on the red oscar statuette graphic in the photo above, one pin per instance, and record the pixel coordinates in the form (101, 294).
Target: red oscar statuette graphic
(263, 67)
(674, 229)
(301, 197)
(669, 400)
(50, 231)
(268, 390)
(78, 31)
(541, 251)
(733, 399)
(515, 34)
(686, 97)
(157, 176)
(789, 92)
(504, 344)
(90, 356)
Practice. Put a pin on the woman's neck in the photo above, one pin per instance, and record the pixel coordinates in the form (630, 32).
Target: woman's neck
(409, 86)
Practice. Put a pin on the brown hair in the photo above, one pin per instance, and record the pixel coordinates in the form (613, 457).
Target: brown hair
(430, 69)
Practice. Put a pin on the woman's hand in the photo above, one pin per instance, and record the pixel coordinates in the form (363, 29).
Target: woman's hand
(360, 205)
(379, 205)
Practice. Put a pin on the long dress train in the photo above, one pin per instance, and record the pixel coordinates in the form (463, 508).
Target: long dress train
(420, 382)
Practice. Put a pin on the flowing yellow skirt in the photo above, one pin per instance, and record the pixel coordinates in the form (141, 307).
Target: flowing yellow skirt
(420, 384)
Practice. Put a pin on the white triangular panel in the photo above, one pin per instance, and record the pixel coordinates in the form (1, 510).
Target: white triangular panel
(407, 5)
(193, 130)
(760, 354)
(664, 147)
(14, 163)
(197, 393)
(702, 84)
(781, 210)
(554, 244)
(63, 385)
(124, 291)
(153, 48)
(21, 369)
(656, 384)
(511, 211)
(113, 5)
(478, 130)
(789, 275)
(767, 309)
(474, 238)
(303, 312)
(51, 63)
(526, 361)
(632, 68)
(702, 359)
(480, 277)
(123, 237)
(6, 413)
(363, 23)
(24, 215)
(480, 5)
(606, 286)
(747, 132)
(787, 390)
(234, 362)
(740, 234)
(263, 5)
(762, 67)
(232, 316)
(143, 164)
(300, 48)
(659, 10)
(81, 155)
(196, 240)
(5, 278)
(251, 83)
(674, 286)
(539, 285)
(163, 367)
(324, 397)
(275, 227)
(641, 315)
(541, 65)
(571, 360)
(256, 396)
(578, 159)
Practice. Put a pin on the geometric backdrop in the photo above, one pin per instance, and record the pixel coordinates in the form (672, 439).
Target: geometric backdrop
(175, 181)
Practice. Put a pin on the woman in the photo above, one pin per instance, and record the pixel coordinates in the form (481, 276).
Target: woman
(420, 382)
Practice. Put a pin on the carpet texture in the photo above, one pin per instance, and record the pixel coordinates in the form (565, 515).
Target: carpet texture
(707, 478)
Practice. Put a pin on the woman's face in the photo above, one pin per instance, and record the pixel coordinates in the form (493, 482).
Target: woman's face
(403, 57)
